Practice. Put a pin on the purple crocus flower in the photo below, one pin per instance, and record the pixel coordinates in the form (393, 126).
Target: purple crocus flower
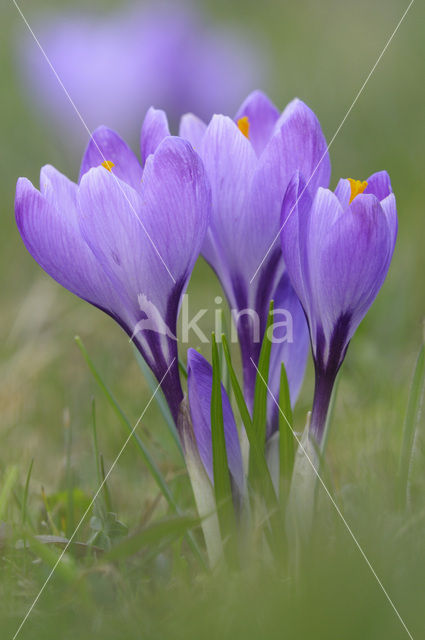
(124, 239)
(199, 396)
(250, 161)
(115, 65)
(337, 249)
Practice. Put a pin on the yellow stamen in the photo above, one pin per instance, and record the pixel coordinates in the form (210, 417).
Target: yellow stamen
(243, 125)
(108, 165)
(357, 187)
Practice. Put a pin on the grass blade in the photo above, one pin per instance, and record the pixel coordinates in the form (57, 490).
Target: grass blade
(240, 400)
(69, 521)
(286, 438)
(95, 441)
(183, 371)
(222, 483)
(258, 458)
(259, 414)
(169, 528)
(26, 492)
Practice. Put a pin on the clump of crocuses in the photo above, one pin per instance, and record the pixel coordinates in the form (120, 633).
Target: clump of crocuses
(251, 194)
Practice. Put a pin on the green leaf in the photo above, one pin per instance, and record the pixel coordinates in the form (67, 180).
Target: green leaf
(240, 400)
(286, 438)
(222, 483)
(169, 528)
(105, 488)
(64, 565)
(69, 520)
(183, 371)
(106, 528)
(257, 454)
(259, 414)
(410, 424)
(225, 378)
(149, 461)
(26, 491)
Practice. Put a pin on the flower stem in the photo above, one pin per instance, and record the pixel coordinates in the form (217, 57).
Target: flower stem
(322, 396)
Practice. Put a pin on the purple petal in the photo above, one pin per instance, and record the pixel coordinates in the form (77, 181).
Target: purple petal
(291, 338)
(295, 220)
(106, 145)
(154, 129)
(262, 116)
(290, 345)
(390, 209)
(48, 225)
(351, 264)
(177, 197)
(199, 391)
(379, 185)
(297, 144)
(148, 243)
(192, 129)
(343, 192)
(230, 161)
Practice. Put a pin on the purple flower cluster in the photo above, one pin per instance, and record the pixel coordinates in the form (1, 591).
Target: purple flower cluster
(251, 194)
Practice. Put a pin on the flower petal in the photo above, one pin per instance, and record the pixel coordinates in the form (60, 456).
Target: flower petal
(177, 200)
(106, 145)
(390, 208)
(230, 161)
(343, 192)
(297, 144)
(48, 225)
(154, 129)
(291, 339)
(199, 391)
(295, 219)
(148, 243)
(192, 128)
(351, 264)
(290, 345)
(262, 116)
(379, 184)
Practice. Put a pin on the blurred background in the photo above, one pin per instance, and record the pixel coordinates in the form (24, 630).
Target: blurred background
(319, 51)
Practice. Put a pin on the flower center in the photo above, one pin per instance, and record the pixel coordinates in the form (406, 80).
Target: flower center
(243, 125)
(357, 186)
(108, 165)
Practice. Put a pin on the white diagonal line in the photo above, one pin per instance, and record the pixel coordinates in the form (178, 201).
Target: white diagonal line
(89, 132)
(338, 510)
(360, 91)
(36, 599)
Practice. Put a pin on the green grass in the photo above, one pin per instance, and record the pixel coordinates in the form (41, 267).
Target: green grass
(155, 586)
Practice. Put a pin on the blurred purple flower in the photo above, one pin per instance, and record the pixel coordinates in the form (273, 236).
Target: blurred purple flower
(114, 66)
(107, 238)
(337, 249)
